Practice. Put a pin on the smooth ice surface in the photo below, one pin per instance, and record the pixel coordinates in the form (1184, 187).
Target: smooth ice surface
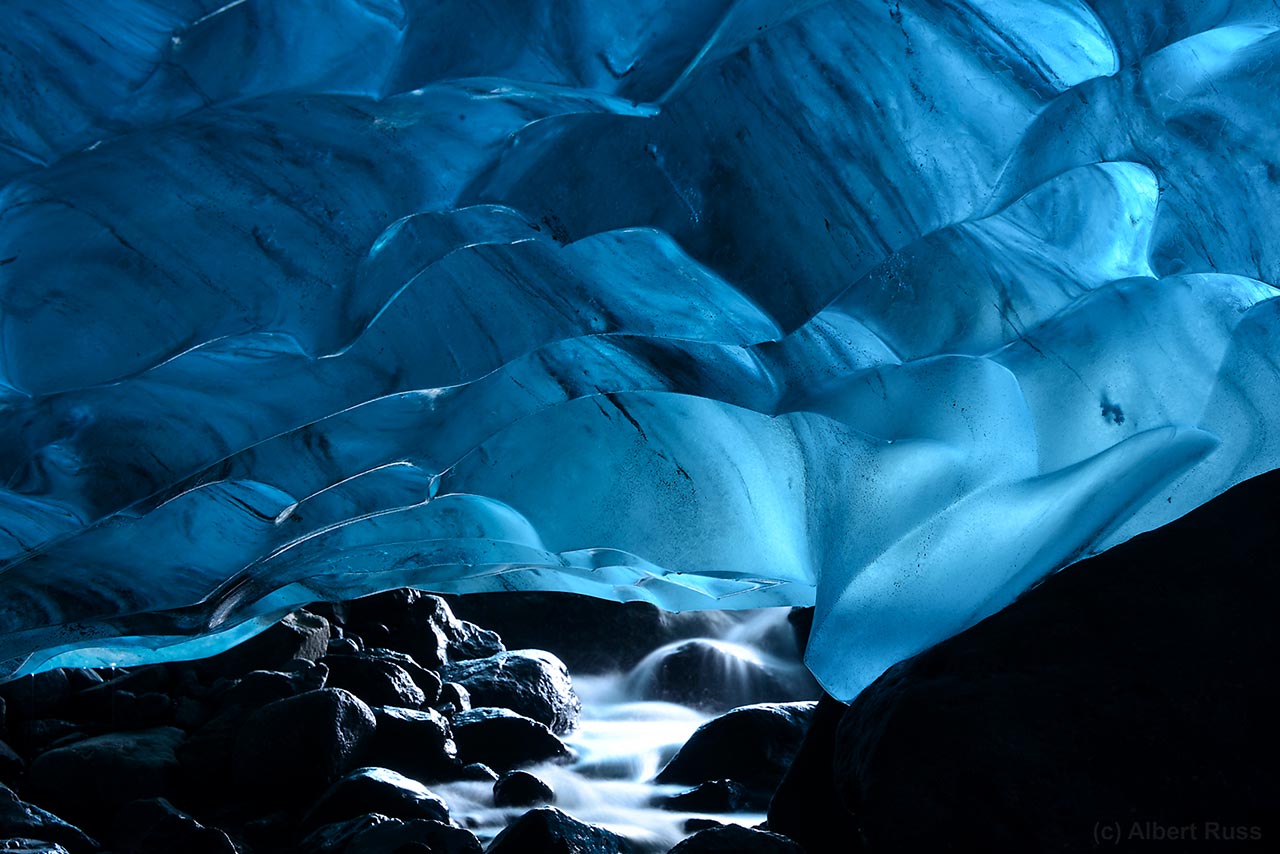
(891, 308)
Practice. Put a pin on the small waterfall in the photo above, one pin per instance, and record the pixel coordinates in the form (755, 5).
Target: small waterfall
(631, 726)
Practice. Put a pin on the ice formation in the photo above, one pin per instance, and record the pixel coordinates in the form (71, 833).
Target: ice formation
(891, 307)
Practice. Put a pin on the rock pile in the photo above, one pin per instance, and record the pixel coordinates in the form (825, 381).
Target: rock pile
(325, 735)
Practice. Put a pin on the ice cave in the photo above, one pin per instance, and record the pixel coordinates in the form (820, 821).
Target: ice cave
(891, 310)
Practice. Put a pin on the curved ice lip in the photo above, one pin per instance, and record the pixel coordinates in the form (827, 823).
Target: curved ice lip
(890, 310)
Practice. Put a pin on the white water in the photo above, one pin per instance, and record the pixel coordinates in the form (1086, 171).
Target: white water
(622, 742)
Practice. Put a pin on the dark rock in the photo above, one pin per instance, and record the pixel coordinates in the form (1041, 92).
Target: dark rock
(589, 635)
(260, 687)
(153, 679)
(503, 739)
(713, 796)
(801, 621)
(693, 825)
(337, 613)
(134, 701)
(377, 681)
(33, 737)
(206, 756)
(204, 759)
(376, 790)
(300, 635)
(709, 675)
(11, 764)
(736, 839)
(155, 826)
(92, 778)
(378, 834)
(376, 634)
(547, 830)
(521, 789)
(805, 806)
(531, 682)
(275, 831)
(427, 680)
(20, 820)
(417, 743)
(426, 837)
(479, 772)
(81, 678)
(342, 646)
(421, 625)
(453, 699)
(1134, 690)
(753, 745)
(190, 714)
(334, 837)
(40, 695)
(31, 846)
(292, 748)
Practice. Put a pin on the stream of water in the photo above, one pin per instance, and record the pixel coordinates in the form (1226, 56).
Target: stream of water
(625, 738)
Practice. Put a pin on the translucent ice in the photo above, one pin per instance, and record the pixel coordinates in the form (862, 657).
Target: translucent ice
(891, 308)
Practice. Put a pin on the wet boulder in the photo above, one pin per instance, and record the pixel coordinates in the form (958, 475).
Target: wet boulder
(416, 742)
(504, 740)
(716, 796)
(711, 675)
(378, 834)
(532, 682)
(736, 839)
(547, 830)
(753, 745)
(376, 790)
(294, 748)
(421, 625)
(155, 826)
(90, 779)
(21, 820)
(378, 681)
(300, 635)
(521, 789)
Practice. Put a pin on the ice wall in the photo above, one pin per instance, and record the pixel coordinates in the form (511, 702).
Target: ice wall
(889, 307)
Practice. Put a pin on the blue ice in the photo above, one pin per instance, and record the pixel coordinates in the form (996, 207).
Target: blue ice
(888, 308)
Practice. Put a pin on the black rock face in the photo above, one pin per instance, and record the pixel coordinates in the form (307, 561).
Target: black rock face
(805, 806)
(1127, 702)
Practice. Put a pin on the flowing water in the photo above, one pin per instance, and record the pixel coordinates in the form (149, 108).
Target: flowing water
(625, 737)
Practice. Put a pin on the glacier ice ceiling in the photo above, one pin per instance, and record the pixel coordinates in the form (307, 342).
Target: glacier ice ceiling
(889, 307)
